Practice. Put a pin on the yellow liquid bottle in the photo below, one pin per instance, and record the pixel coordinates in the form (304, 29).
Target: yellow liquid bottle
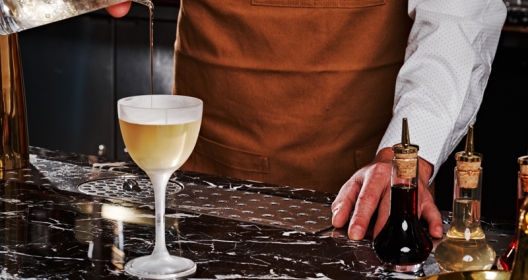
(464, 246)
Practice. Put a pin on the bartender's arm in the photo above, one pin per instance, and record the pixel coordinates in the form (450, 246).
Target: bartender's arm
(439, 90)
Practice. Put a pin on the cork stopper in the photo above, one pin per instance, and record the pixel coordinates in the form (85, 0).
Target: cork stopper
(468, 164)
(523, 170)
(405, 154)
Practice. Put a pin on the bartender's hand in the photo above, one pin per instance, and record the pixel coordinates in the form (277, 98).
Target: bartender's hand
(369, 187)
(119, 10)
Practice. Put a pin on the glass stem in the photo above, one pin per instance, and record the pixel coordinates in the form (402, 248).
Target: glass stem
(159, 184)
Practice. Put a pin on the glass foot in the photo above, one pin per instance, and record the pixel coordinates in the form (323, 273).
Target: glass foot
(166, 267)
(409, 269)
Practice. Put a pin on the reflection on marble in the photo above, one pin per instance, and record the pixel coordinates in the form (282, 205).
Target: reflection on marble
(53, 232)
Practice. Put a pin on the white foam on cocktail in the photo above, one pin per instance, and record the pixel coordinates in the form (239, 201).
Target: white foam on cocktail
(159, 109)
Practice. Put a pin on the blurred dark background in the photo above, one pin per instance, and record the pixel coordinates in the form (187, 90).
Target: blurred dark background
(500, 132)
(76, 70)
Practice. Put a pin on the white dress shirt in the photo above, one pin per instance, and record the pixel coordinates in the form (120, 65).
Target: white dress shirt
(448, 61)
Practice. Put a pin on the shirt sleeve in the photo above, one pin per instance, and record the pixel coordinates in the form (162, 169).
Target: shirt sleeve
(448, 60)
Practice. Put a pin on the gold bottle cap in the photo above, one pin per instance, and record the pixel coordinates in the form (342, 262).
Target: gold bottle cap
(469, 155)
(523, 160)
(523, 169)
(405, 147)
(405, 155)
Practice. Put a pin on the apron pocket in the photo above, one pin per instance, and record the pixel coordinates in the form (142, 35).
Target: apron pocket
(214, 158)
(319, 3)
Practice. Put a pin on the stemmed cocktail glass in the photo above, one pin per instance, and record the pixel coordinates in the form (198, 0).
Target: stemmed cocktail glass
(160, 132)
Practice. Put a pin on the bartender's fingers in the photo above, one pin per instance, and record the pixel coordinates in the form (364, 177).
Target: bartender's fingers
(383, 210)
(119, 10)
(427, 208)
(375, 185)
(362, 193)
(344, 203)
(431, 214)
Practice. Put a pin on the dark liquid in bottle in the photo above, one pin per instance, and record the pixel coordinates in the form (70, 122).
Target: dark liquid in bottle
(403, 241)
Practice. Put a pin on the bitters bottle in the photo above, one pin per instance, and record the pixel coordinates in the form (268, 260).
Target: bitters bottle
(403, 245)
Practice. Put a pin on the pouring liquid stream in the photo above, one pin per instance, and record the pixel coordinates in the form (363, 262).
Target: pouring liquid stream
(150, 5)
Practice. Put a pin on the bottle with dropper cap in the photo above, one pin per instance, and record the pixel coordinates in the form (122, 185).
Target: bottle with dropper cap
(505, 261)
(403, 245)
(465, 247)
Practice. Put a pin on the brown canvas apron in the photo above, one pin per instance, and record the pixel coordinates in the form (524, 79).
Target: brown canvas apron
(296, 92)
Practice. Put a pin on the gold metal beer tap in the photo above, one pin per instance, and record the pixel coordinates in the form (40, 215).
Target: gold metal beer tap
(13, 121)
(16, 16)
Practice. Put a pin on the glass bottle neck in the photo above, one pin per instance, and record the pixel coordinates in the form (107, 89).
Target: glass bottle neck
(404, 190)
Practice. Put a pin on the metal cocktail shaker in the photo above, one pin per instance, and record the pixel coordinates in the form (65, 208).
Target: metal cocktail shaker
(16, 16)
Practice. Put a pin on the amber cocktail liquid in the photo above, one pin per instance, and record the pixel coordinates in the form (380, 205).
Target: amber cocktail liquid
(403, 245)
(158, 147)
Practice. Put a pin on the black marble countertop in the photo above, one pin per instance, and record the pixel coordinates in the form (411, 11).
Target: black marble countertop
(60, 223)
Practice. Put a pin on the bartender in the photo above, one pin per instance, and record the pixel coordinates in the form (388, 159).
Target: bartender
(311, 93)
